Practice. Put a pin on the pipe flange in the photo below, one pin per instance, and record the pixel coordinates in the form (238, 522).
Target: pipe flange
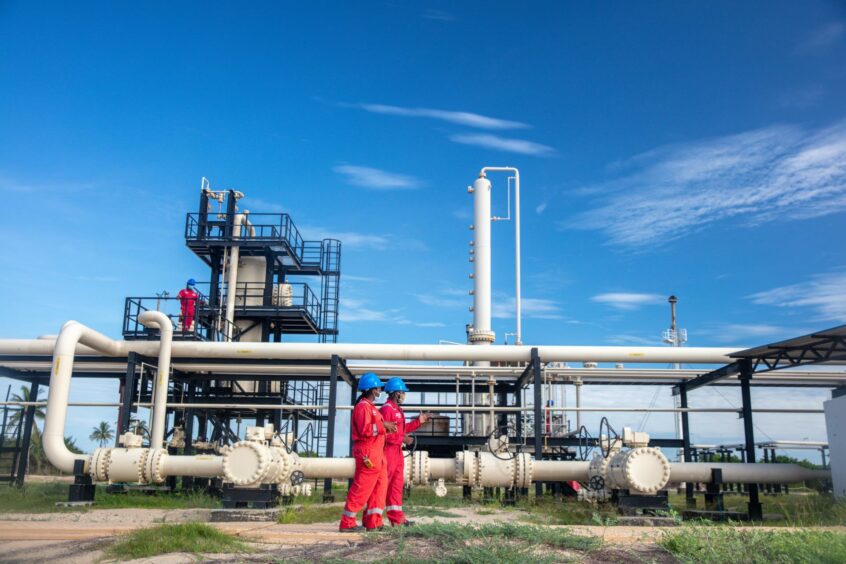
(482, 337)
(459, 468)
(523, 468)
(245, 463)
(142, 466)
(646, 469)
(157, 457)
(98, 465)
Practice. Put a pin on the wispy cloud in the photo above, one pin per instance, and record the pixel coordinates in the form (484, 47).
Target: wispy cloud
(353, 310)
(439, 15)
(632, 340)
(823, 38)
(536, 308)
(748, 333)
(376, 179)
(777, 173)
(541, 208)
(358, 310)
(628, 300)
(468, 119)
(258, 205)
(349, 239)
(824, 294)
(498, 143)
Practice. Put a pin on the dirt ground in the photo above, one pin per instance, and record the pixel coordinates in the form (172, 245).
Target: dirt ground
(80, 537)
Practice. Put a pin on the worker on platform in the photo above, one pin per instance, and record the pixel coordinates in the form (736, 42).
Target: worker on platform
(188, 297)
(392, 411)
(370, 480)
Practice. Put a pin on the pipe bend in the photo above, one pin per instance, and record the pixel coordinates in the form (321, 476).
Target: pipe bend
(165, 326)
(53, 438)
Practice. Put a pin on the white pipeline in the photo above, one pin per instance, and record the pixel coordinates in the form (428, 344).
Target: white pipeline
(53, 437)
(367, 351)
(160, 389)
(740, 473)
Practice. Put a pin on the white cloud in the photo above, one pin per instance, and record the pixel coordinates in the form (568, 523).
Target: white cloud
(541, 208)
(823, 38)
(348, 239)
(467, 119)
(445, 301)
(632, 340)
(439, 15)
(777, 173)
(825, 294)
(536, 308)
(749, 333)
(376, 179)
(628, 300)
(357, 310)
(498, 143)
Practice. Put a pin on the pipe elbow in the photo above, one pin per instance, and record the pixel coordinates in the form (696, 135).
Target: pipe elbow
(159, 320)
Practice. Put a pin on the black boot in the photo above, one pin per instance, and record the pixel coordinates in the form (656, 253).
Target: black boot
(356, 529)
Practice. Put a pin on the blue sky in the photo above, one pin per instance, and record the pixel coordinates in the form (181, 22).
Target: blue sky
(696, 149)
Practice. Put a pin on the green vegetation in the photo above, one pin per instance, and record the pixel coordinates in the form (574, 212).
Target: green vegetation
(42, 498)
(726, 544)
(102, 434)
(194, 538)
(504, 543)
(422, 511)
(310, 514)
(803, 510)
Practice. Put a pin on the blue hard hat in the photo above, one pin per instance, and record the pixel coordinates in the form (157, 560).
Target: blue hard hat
(191, 282)
(395, 385)
(368, 382)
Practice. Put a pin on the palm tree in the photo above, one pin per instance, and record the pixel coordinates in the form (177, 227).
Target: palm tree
(140, 428)
(102, 433)
(17, 416)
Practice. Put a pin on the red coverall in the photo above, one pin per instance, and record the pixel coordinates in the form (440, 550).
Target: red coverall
(396, 460)
(369, 484)
(187, 303)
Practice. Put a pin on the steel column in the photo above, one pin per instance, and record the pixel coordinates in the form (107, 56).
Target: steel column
(690, 499)
(539, 413)
(29, 416)
(755, 510)
(330, 431)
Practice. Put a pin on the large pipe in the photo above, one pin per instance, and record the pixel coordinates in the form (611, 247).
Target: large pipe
(369, 351)
(741, 473)
(53, 438)
(200, 465)
(232, 275)
(162, 321)
(335, 468)
(559, 471)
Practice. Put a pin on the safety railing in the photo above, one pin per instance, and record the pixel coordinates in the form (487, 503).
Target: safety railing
(250, 296)
(191, 319)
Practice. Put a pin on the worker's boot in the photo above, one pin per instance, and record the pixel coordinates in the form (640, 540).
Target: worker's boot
(356, 529)
(376, 529)
(408, 523)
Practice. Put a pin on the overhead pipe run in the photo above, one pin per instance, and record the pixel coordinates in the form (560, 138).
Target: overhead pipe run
(403, 352)
(163, 323)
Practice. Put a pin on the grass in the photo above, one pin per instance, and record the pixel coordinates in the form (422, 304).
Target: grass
(194, 538)
(42, 498)
(794, 510)
(502, 543)
(725, 544)
(304, 514)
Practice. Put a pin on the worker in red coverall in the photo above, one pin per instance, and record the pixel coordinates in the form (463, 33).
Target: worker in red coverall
(392, 411)
(370, 481)
(187, 302)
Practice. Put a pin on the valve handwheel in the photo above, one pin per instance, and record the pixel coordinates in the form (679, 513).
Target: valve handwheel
(498, 451)
(610, 435)
(297, 478)
(596, 483)
(584, 443)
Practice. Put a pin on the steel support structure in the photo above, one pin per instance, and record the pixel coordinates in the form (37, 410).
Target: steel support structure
(690, 499)
(26, 436)
(746, 371)
(538, 413)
